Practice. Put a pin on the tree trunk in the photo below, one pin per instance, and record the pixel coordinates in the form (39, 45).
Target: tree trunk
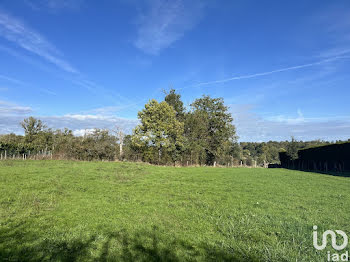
(159, 153)
(120, 150)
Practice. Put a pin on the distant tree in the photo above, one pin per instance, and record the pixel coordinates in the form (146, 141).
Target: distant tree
(97, 145)
(272, 155)
(64, 144)
(262, 153)
(32, 126)
(235, 150)
(292, 149)
(130, 150)
(43, 140)
(159, 129)
(246, 155)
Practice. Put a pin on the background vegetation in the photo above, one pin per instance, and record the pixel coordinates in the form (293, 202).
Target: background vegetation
(168, 134)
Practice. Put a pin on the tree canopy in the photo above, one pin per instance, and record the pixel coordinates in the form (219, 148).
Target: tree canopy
(159, 129)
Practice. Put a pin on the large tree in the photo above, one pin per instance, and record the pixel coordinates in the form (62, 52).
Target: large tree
(159, 129)
(217, 123)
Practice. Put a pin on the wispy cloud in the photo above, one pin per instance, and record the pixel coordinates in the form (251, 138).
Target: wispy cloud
(334, 52)
(15, 31)
(54, 5)
(164, 22)
(23, 84)
(10, 79)
(331, 59)
(333, 25)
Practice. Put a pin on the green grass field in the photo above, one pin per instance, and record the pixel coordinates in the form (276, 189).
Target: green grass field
(104, 211)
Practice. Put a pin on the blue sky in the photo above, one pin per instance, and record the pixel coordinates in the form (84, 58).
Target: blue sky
(281, 66)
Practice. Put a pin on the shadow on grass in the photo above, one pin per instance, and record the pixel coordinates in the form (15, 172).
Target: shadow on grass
(331, 173)
(19, 245)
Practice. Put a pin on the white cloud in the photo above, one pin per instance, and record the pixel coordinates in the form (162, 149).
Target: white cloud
(85, 117)
(253, 127)
(12, 114)
(107, 110)
(78, 122)
(289, 120)
(83, 132)
(15, 31)
(164, 22)
(7, 108)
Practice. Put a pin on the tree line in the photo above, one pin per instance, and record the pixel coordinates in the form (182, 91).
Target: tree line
(168, 134)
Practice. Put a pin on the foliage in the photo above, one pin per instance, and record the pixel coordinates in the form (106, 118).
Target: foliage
(62, 144)
(159, 129)
(292, 149)
(32, 127)
(174, 99)
(204, 135)
(216, 126)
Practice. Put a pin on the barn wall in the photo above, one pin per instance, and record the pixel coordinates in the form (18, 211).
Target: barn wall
(329, 158)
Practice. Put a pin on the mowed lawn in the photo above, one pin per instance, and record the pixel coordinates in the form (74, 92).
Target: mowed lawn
(105, 211)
